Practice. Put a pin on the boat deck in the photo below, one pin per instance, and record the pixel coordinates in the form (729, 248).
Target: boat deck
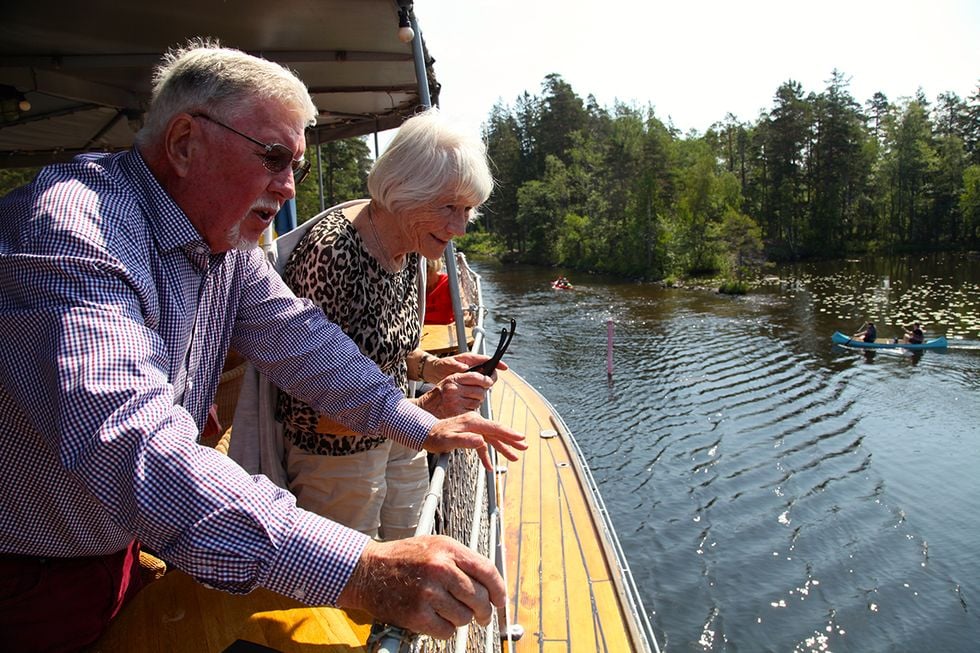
(563, 591)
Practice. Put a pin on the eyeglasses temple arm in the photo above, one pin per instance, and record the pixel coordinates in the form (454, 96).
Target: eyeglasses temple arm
(487, 367)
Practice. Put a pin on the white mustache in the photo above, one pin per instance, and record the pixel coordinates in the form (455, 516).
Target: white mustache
(266, 208)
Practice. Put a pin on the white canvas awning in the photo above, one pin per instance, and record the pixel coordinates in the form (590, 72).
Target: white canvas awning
(84, 68)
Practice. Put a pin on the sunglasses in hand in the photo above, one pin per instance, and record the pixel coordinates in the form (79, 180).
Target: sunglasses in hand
(486, 368)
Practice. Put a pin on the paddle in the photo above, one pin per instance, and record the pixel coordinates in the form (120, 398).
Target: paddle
(850, 339)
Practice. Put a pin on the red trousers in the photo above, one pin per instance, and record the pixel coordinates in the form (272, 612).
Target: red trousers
(63, 604)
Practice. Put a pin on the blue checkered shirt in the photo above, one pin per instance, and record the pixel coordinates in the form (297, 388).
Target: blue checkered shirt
(116, 319)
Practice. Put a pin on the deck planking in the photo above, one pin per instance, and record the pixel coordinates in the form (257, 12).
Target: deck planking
(561, 585)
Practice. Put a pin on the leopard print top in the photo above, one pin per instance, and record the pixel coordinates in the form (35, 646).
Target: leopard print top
(377, 309)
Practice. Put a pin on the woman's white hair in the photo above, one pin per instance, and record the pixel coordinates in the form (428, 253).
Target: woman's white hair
(430, 159)
(204, 75)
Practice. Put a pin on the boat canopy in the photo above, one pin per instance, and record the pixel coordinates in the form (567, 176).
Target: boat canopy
(75, 76)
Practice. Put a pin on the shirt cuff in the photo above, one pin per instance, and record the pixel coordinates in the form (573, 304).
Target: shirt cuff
(408, 424)
(315, 564)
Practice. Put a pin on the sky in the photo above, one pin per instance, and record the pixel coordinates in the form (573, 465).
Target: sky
(695, 61)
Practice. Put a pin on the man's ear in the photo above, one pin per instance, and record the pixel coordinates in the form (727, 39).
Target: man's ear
(180, 144)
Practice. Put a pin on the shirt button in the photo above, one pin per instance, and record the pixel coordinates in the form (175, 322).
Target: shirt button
(299, 593)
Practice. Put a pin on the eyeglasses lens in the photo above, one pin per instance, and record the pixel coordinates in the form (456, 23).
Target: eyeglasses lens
(300, 171)
(278, 157)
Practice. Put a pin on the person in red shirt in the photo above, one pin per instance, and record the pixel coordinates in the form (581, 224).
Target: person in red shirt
(438, 303)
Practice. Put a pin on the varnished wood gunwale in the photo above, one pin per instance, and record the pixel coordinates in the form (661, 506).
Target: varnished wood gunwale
(564, 585)
(440, 339)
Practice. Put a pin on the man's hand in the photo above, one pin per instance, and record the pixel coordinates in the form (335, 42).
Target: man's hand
(470, 431)
(430, 584)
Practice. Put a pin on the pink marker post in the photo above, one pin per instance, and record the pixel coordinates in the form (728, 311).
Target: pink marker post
(609, 346)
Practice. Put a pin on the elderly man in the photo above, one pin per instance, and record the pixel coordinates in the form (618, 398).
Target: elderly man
(126, 279)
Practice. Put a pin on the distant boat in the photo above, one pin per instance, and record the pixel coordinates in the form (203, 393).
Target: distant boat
(562, 284)
(934, 343)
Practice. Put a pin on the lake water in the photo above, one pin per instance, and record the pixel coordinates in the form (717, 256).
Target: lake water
(773, 491)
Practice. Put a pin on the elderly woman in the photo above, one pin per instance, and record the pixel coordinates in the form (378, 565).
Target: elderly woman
(361, 264)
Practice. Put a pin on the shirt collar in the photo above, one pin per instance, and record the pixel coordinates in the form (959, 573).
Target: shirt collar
(170, 226)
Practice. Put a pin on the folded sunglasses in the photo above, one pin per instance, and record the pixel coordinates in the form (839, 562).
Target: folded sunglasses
(487, 367)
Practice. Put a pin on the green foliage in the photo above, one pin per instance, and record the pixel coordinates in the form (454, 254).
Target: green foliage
(342, 166)
(574, 243)
(838, 170)
(742, 243)
(478, 243)
(618, 191)
(11, 178)
(508, 159)
(538, 202)
(969, 204)
(910, 164)
(733, 287)
(817, 175)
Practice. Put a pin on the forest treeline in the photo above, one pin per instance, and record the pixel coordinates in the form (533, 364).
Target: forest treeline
(818, 175)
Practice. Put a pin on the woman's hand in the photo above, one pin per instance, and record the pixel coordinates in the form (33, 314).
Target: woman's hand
(470, 431)
(456, 394)
(460, 363)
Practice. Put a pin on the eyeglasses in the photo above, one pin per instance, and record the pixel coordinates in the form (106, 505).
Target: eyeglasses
(486, 368)
(275, 158)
